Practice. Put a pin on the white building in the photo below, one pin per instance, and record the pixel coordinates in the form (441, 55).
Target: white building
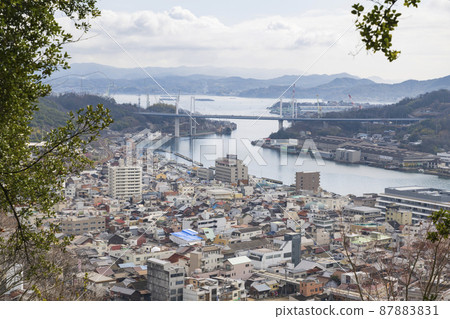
(264, 258)
(246, 233)
(70, 191)
(349, 156)
(218, 224)
(125, 181)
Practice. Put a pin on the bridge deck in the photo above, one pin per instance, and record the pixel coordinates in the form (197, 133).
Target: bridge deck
(272, 118)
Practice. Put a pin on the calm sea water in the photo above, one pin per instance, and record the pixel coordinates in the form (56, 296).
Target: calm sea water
(335, 177)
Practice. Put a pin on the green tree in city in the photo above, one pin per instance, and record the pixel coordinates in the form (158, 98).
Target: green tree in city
(422, 264)
(440, 252)
(377, 24)
(32, 176)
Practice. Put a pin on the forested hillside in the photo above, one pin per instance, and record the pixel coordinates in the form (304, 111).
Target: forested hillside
(433, 131)
(53, 113)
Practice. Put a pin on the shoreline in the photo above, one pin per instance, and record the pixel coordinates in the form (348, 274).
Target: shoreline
(434, 172)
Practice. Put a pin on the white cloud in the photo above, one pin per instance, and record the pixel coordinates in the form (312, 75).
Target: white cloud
(278, 24)
(178, 13)
(179, 37)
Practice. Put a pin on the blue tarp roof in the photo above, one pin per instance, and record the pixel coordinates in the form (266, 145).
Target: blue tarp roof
(187, 235)
(127, 265)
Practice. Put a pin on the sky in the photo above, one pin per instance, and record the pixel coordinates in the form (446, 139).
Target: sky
(287, 37)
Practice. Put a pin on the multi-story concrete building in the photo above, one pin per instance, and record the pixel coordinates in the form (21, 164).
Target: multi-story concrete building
(366, 213)
(285, 250)
(208, 259)
(394, 214)
(237, 268)
(125, 181)
(309, 181)
(165, 280)
(323, 220)
(296, 242)
(230, 169)
(421, 201)
(264, 258)
(205, 173)
(310, 287)
(348, 156)
(217, 224)
(201, 289)
(81, 225)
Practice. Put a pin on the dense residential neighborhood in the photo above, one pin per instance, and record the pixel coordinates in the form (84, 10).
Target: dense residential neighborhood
(148, 226)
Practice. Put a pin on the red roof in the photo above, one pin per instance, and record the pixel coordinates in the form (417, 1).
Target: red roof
(116, 247)
(176, 257)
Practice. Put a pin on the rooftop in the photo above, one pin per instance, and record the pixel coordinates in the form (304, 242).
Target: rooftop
(239, 260)
(187, 235)
(417, 192)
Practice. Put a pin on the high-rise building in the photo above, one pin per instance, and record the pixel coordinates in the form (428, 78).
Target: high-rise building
(296, 252)
(165, 280)
(308, 181)
(125, 181)
(230, 169)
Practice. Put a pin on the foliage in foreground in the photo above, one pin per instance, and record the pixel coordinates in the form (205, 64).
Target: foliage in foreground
(375, 26)
(31, 176)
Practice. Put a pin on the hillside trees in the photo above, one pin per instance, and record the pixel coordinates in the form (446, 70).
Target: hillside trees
(32, 176)
(416, 269)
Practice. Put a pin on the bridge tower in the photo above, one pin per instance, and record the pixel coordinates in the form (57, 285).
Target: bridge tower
(319, 107)
(192, 122)
(177, 120)
(293, 103)
(281, 107)
(280, 125)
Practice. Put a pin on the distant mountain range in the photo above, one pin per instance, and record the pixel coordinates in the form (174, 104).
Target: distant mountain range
(360, 90)
(100, 79)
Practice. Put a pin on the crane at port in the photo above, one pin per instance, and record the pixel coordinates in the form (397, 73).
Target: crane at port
(353, 104)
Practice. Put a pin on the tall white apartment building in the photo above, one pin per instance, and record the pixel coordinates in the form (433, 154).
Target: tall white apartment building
(125, 181)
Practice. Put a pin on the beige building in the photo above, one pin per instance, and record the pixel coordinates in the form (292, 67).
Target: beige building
(125, 181)
(230, 169)
(309, 181)
(81, 225)
(200, 289)
(237, 268)
(401, 217)
(321, 236)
